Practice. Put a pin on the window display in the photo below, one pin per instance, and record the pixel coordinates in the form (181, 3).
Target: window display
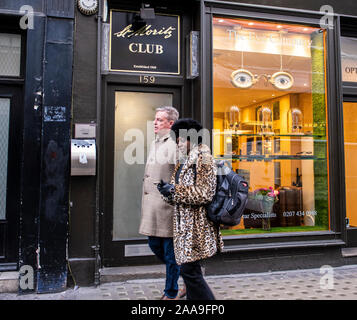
(269, 108)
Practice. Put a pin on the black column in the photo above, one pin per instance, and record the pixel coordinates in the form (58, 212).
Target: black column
(55, 171)
(31, 161)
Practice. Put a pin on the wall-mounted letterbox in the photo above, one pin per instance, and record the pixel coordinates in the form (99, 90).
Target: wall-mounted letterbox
(83, 157)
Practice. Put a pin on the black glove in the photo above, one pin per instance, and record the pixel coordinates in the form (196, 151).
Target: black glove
(166, 189)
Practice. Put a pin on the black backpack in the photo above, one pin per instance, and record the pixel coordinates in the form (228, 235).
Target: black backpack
(230, 199)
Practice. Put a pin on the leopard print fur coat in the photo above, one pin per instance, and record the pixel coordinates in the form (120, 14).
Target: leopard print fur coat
(195, 237)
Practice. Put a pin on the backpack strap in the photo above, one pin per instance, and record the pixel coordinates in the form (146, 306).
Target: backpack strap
(194, 172)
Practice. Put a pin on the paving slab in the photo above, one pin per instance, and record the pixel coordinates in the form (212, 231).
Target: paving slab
(9, 281)
(308, 284)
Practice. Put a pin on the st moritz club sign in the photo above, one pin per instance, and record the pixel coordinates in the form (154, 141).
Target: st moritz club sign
(151, 47)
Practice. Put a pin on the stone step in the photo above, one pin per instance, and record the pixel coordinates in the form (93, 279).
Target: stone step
(120, 274)
(9, 282)
(349, 252)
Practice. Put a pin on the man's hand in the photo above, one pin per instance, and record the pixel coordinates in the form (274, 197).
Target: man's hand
(166, 189)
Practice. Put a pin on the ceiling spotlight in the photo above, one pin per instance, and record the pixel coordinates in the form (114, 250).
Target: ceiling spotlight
(147, 13)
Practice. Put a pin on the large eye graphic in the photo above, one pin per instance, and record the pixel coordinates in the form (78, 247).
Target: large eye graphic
(282, 80)
(243, 79)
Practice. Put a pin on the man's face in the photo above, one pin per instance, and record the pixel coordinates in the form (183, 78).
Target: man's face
(161, 124)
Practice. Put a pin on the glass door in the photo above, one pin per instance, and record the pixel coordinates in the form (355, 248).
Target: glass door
(129, 133)
(10, 160)
(4, 150)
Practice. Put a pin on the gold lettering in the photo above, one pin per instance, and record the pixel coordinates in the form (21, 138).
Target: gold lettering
(140, 32)
(124, 32)
(141, 48)
(147, 30)
(150, 48)
(159, 49)
(168, 32)
(146, 48)
(131, 47)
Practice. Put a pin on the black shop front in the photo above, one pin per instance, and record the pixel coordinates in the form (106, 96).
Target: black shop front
(276, 86)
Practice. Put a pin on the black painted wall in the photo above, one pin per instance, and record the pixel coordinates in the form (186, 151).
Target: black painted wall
(82, 188)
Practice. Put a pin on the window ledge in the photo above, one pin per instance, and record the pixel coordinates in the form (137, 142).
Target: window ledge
(281, 234)
(283, 245)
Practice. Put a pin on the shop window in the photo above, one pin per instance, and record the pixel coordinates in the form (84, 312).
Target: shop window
(350, 136)
(10, 54)
(270, 122)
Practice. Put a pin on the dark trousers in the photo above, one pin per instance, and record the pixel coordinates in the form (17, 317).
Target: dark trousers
(196, 286)
(164, 250)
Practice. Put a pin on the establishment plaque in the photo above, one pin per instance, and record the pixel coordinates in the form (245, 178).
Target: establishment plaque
(151, 46)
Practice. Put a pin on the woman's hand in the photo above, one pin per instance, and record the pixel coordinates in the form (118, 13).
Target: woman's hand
(166, 189)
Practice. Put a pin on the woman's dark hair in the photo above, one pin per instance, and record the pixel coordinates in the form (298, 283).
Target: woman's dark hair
(185, 125)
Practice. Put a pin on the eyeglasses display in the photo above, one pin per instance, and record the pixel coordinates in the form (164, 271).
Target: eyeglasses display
(265, 120)
(245, 79)
(270, 120)
(295, 121)
(281, 80)
(232, 118)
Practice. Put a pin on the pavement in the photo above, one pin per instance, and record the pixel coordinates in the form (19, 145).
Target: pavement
(326, 283)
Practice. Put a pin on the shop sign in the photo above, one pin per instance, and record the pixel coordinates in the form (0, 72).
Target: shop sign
(152, 46)
(349, 59)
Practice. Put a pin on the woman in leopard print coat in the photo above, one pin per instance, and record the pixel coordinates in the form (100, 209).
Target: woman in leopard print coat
(192, 186)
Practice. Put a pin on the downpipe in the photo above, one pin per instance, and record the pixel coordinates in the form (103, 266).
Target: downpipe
(96, 246)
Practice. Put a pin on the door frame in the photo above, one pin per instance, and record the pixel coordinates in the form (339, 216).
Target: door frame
(113, 252)
(347, 28)
(9, 228)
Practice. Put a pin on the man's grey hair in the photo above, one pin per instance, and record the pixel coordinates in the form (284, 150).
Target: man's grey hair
(172, 113)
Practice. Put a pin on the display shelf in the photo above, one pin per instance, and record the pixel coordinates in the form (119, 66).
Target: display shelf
(271, 135)
(229, 232)
(268, 157)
